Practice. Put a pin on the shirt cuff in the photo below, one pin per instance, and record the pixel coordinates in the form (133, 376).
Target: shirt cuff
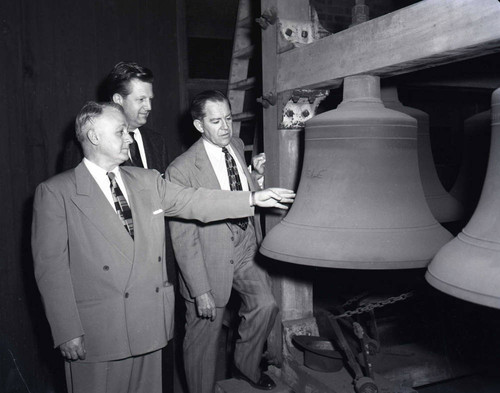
(252, 199)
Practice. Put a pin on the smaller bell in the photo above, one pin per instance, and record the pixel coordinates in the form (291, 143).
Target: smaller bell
(444, 206)
(475, 152)
(468, 267)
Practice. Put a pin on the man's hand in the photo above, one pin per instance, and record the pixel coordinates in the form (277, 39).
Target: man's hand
(274, 197)
(259, 163)
(73, 349)
(205, 306)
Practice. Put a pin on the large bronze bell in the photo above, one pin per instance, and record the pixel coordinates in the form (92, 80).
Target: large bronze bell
(468, 267)
(444, 206)
(360, 202)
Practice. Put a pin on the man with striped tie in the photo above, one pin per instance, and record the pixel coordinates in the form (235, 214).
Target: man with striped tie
(98, 241)
(217, 258)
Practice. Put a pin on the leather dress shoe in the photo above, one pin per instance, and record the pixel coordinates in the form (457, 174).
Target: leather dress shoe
(264, 383)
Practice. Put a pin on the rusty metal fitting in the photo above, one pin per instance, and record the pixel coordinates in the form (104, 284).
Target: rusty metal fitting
(267, 99)
(267, 18)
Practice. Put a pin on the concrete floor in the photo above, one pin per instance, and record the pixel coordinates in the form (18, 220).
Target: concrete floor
(469, 384)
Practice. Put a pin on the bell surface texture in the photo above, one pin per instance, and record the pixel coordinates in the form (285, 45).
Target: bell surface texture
(468, 267)
(444, 206)
(360, 202)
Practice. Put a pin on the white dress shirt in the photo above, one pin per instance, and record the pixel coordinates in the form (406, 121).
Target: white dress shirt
(102, 179)
(218, 160)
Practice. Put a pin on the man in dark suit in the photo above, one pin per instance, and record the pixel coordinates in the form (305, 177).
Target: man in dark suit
(131, 86)
(215, 258)
(98, 241)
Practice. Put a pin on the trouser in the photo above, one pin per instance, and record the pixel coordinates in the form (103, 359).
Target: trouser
(258, 311)
(137, 374)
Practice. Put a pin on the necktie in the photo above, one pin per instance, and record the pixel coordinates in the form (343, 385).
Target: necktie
(135, 155)
(234, 182)
(121, 205)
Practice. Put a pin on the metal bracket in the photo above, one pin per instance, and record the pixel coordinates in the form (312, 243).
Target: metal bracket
(267, 18)
(294, 33)
(267, 99)
(301, 106)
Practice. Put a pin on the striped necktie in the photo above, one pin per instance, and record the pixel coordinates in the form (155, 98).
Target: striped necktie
(121, 205)
(234, 182)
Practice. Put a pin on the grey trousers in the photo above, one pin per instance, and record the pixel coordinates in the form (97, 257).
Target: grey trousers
(258, 311)
(138, 374)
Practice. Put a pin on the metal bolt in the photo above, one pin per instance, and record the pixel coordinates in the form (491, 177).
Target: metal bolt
(305, 113)
(289, 32)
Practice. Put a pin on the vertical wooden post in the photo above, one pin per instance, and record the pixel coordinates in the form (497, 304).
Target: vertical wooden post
(282, 147)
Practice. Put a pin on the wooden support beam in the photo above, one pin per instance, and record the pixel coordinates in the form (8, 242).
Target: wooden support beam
(426, 34)
(245, 84)
(244, 53)
(292, 293)
(243, 116)
(466, 82)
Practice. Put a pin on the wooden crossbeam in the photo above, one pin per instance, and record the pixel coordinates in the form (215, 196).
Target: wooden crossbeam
(244, 84)
(426, 34)
(243, 116)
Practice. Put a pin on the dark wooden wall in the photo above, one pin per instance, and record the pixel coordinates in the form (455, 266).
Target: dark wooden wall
(53, 55)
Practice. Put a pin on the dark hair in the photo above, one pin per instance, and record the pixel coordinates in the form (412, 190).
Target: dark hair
(119, 78)
(85, 118)
(198, 103)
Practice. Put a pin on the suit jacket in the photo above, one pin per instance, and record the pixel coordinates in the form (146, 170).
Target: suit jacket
(155, 149)
(98, 282)
(204, 251)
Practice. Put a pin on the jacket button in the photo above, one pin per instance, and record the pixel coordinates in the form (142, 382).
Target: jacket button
(232, 238)
(126, 295)
(105, 267)
(157, 289)
(231, 262)
(159, 259)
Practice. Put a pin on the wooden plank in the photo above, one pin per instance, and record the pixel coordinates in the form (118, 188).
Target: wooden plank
(243, 116)
(466, 82)
(242, 85)
(239, 66)
(291, 295)
(244, 53)
(423, 35)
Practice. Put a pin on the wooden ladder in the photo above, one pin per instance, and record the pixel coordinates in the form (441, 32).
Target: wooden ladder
(240, 83)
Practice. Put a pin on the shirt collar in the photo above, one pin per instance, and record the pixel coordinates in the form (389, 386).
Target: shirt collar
(137, 132)
(96, 170)
(214, 149)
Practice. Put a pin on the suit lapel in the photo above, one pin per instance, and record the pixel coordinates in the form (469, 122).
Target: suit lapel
(141, 206)
(206, 173)
(93, 204)
(149, 149)
(243, 164)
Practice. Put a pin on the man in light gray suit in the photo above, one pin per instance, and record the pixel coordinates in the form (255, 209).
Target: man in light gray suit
(215, 258)
(98, 240)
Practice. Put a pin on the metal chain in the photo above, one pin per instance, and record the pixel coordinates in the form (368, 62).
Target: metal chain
(354, 299)
(374, 305)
